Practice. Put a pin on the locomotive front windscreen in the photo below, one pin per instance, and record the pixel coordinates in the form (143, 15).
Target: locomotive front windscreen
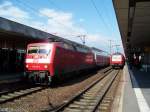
(116, 58)
(38, 50)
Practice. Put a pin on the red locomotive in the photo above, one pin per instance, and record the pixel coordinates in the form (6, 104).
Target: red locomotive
(117, 60)
(47, 61)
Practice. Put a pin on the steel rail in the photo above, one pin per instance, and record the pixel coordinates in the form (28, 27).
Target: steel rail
(18, 94)
(76, 96)
(100, 98)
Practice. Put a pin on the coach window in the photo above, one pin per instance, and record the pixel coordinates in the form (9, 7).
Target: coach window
(71, 47)
(99, 53)
(74, 47)
(79, 49)
(85, 50)
(68, 46)
(65, 46)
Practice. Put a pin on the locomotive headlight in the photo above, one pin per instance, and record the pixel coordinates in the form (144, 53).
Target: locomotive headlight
(45, 66)
(27, 66)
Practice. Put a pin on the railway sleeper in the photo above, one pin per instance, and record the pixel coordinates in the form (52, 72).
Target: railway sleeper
(106, 101)
(104, 105)
(72, 110)
(88, 94)
(89, 97)
(80, 103)
(19, 93)
(86, 97)
(2, 99)
(74, 106)
(87, 100)
(102, 110)
(80, 107)
(24, 91)
(6, 97)
(13, 95)
(84, 103)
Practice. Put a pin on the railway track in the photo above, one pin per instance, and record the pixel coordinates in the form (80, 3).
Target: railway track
(90, 98)
(16, 87)
(106, 104)
(8, 96)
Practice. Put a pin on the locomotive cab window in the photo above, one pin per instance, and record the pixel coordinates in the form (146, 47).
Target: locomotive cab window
(32, 50)
(44, 51)
(39, 50)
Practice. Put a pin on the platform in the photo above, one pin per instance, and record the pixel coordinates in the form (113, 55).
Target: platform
(10, 77)
(136, 91)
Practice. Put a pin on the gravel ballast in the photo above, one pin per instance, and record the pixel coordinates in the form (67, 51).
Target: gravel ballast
(51, 97)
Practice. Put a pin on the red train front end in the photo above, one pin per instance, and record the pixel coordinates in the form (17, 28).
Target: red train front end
(39, 62)
(117, 60)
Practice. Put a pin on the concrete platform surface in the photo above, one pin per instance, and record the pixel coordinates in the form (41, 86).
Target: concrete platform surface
(136, 93)
(129, 99)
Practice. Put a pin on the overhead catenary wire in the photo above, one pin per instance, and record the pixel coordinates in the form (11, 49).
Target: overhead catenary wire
(52, 3)
(107, 25)
(100, 15)
(35, 11)
(107, 13)
(81, 36)
(110, 16)
(69, 28)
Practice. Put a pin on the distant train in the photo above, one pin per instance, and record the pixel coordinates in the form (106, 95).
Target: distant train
(117, 60)
(46, 61)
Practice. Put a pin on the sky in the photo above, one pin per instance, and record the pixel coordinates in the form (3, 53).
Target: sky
(71, 19)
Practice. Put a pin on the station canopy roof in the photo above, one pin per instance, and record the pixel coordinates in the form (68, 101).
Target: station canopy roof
(11, 30)
(133, 18)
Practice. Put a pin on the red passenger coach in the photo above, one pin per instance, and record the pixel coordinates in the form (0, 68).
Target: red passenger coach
(117, 60)
(101, 57)
(48, 60)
